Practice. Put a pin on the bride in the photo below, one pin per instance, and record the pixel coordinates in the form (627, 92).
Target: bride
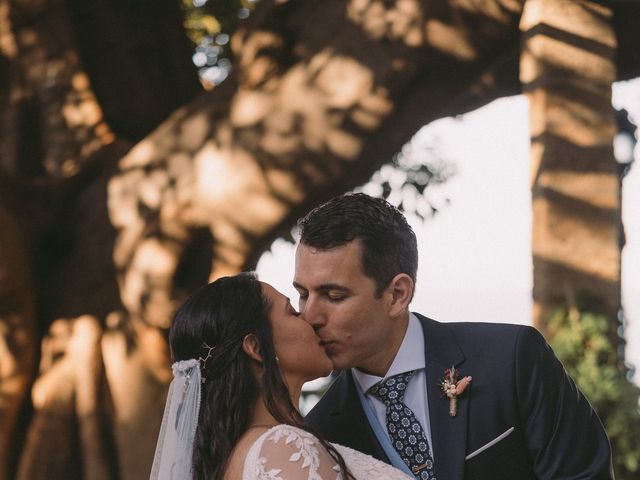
(242, 354)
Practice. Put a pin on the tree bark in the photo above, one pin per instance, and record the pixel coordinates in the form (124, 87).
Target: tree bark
(312, 110)
(567, 69)
(17, 333)
(58, 147)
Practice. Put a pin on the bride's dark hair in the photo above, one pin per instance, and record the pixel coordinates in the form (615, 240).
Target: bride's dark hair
(221, 314)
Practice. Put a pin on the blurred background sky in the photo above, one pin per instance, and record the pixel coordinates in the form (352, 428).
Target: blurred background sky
(475, 253)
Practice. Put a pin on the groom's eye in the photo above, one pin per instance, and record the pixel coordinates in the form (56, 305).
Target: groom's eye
(336, 297)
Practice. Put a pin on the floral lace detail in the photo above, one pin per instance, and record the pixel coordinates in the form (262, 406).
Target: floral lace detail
(262, 473)
(289, 453)
(305, 444)
(365, 467)
(285, 452)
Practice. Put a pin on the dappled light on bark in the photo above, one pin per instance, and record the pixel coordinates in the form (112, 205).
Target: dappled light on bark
(89, 390)
(17, 330)
(137, 368)
(401, 20)
(567, 67)
(52, 92)
(438, 24)
(68, 397)
(56, 244)
(285, 131)
(8, 45)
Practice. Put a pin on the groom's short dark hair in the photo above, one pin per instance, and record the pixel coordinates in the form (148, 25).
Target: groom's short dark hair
(389, 245)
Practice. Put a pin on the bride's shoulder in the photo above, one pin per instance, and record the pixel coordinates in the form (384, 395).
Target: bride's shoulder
(288, 432)
(241, 450)
(285, 451)
(292, 453)
(286, 437)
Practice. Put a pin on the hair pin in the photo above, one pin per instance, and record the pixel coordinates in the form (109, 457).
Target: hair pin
(209, 354)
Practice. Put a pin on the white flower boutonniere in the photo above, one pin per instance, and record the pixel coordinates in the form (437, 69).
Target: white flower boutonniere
(452, 388)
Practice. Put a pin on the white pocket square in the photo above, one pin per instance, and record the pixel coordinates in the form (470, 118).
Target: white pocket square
(500, 437)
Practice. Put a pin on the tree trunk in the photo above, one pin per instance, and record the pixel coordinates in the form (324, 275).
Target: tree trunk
(17, 333)
(567, 69)
(312, 110)
(68, 113)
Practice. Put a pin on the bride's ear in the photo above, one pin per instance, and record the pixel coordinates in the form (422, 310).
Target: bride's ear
(251, 347)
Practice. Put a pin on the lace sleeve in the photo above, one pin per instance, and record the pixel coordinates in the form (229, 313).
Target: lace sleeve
(289, 453)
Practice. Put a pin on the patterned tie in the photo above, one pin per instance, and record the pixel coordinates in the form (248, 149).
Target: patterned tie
(405, 432)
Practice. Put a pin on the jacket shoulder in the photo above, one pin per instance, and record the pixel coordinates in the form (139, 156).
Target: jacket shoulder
(494, 339)
(317, 416)
(480, 330)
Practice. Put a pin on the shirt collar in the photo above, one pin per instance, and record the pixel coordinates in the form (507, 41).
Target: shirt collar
(410, 356)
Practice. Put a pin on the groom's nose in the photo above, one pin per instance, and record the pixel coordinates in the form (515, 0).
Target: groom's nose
(311, 312)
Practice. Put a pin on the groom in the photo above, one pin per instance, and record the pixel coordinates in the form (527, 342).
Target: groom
(520, 417)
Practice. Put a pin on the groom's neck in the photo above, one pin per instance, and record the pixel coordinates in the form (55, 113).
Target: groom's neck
(382, 358)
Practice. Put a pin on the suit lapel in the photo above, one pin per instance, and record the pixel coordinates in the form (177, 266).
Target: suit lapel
(348, 412)
(449, 434)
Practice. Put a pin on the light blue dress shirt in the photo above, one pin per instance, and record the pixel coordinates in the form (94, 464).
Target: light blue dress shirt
(410, 356)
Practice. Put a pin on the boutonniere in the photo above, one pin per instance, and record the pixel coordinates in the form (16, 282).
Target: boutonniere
(452, 388)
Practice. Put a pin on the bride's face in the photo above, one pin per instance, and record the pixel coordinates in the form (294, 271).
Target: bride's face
(300, 355)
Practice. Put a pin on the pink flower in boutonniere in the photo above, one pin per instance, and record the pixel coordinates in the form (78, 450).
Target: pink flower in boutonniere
(452, 388)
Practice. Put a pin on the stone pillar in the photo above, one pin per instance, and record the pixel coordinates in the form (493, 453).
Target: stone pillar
(567, 68)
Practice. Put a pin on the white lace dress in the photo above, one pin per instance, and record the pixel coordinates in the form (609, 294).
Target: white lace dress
(289, 453)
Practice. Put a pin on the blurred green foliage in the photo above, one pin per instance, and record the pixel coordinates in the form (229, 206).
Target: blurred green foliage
(587, 346)
(209, 24)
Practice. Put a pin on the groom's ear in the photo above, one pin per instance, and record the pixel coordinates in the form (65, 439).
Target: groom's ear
(400, 291)
(251, 347)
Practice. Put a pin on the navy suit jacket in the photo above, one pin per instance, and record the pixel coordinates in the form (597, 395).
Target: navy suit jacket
(520, 393)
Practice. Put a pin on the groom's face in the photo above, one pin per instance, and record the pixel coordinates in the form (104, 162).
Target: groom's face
(339, 301)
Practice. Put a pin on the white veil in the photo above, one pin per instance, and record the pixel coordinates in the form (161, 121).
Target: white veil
(172, 460)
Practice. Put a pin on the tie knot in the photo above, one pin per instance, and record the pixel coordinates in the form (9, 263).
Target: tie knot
(392, 389)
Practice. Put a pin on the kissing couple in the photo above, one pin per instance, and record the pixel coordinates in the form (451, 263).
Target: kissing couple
(415, 399)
